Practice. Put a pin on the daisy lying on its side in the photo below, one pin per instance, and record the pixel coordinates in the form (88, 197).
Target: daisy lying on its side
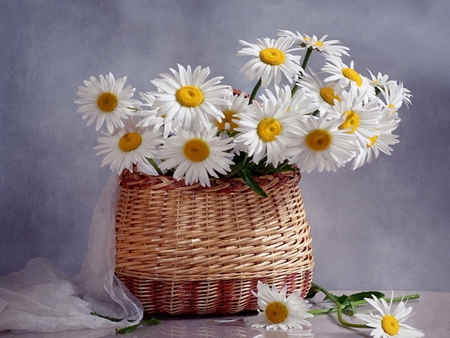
(389, 323)
(277, 311)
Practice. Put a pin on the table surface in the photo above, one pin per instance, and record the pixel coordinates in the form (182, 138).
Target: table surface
(431, 314)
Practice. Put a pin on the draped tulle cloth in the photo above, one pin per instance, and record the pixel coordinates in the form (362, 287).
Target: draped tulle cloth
(40, 298)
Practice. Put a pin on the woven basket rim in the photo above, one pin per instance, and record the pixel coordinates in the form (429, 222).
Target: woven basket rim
(138, 179)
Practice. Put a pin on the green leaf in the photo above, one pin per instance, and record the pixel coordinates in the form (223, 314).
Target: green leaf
(349, 310)
(128, 329)
(365, 294)
(235, 169)
(348, 302)
(343, 299)
(240, 162)
(248, 179)
(132, 328)
(313, 291)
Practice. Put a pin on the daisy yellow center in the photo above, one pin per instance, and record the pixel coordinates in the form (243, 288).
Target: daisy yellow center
(228, 119)
(327, 94)
(317, 44)
(268, 129)
(196, 150)
(392, 107)
(189, 96)
(352, 75)
(130, 142)
(272, 56)
(276, 312)
(107, 102)
(319, 139)
(372, 141)
(351, 122)
(390, 325)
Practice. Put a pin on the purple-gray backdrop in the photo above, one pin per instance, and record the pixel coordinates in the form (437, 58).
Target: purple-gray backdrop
(384, 226)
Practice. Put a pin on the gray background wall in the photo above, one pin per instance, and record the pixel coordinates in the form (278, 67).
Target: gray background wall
(384, 226)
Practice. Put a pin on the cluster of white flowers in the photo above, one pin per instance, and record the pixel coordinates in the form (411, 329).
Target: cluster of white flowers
(199, 129)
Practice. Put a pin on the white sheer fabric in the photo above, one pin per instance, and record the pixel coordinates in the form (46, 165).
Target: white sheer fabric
(42, 299)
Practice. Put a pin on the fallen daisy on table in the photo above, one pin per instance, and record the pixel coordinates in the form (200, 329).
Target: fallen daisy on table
(278, 311)
(387, 323)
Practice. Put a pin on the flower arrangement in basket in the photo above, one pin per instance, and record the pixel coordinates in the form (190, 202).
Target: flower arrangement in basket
(189, 237)
(199, 130)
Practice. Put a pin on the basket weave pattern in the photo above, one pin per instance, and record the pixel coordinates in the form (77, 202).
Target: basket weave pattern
(193, 249)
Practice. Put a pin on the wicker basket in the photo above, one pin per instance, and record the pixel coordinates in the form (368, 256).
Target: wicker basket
(192, 249)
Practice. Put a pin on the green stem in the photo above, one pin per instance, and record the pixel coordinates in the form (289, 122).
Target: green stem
(399, 299)
(339, 309)
(362, 302)
(304, 64)
(255, 90)
(306, 58)
(154, 165)
(322, 311)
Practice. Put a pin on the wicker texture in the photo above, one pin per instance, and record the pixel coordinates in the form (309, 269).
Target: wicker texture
(193, 249)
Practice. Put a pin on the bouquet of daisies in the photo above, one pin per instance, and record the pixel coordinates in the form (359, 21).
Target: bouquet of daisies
(197, 129)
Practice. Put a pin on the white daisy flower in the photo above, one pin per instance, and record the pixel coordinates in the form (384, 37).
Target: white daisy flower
(237, 104)
(278, 311)
(196, 154)
(388, 322)
(380, 80)
(271, 59)
(394, 95)
(150, 116)
(328, 47)
(324, 94)
(106, 100)
(300, 104)
(360, 119)
(322, 144)
(381, 141)
(347, 76)
(127, 146)
(186, 100)
(267, 130)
